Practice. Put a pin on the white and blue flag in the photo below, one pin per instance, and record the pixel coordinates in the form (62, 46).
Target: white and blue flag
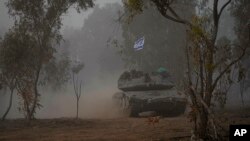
(139, 44)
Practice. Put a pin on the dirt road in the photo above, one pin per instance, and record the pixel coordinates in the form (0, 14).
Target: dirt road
(121, 129)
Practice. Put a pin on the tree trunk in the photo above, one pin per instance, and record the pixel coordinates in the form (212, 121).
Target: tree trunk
(242, 91)
(202, 124)
(77, 107)
(33, 108)
(10, 104)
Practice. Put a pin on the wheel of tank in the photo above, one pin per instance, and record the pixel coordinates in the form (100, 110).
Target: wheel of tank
(134, 111)
(180, 110)
(121, 101)
(177, 110)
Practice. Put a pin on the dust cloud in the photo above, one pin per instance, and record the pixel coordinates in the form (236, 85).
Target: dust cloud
(103, 66)
(96, 103)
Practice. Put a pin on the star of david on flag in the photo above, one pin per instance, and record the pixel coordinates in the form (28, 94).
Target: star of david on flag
(139, 44)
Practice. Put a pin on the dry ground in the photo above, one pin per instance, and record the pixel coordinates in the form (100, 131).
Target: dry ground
(121, 129)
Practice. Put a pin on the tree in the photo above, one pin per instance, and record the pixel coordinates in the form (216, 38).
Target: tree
(9, 80)
(77, 86)
(40, 23)
(58, 70)
(11, 86)
(12, 55)
(205, 71)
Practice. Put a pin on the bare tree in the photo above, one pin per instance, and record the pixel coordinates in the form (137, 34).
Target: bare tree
(77, 67)
(78, 92)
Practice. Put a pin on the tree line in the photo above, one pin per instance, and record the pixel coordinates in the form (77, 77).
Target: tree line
(27, 50)
(29, 47)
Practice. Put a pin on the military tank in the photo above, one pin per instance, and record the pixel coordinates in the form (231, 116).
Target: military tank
(153, 93)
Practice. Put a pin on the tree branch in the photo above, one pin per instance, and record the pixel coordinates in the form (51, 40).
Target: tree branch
(215, 12)
(223, 7)
(174, 13)
(164, 6)
(216, 21)
(80, 90)
(228, 67)
(74, 83)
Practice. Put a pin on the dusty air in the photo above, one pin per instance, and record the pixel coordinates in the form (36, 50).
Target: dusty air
(124, 70)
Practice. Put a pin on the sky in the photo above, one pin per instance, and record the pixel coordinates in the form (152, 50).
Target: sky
(76, 20)
(5, 21)
(71, 19)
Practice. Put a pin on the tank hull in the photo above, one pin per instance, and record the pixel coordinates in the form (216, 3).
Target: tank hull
(165, 103)
(144, 93)
(165, 108)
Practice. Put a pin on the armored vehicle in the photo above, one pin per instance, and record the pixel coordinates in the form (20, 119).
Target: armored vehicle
(149, 93)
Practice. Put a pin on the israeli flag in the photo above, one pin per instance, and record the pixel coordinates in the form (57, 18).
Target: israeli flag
(139, 44)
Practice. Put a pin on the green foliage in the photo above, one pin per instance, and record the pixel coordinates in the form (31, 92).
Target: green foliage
(17, 53)
(135, 5)
(57, 72)
(77, 68)
(41, 22)
(28, 49)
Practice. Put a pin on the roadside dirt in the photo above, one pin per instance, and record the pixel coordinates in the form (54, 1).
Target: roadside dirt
(120, 129)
